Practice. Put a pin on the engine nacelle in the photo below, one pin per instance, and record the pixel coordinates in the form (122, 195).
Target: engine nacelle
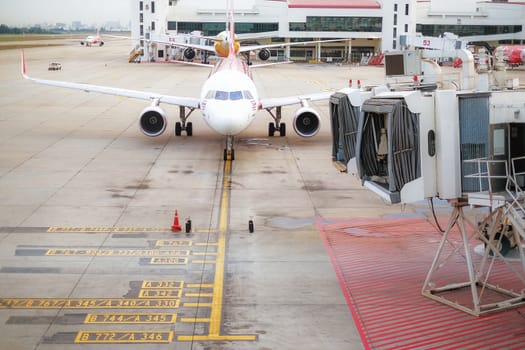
(152, 121)
(189, 53)
(306, 122)
(264, 54)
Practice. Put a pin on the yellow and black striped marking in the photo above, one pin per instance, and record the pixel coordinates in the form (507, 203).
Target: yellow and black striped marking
(160, 293)
(173, 243)
(127, 318)
(160, 284)
(116, 337)
(115, 252)
(95, 303)
(168, 261)
(73, 229)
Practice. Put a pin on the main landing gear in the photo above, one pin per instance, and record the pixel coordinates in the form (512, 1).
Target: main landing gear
(229, 152)
(182, 125)
(277, 126)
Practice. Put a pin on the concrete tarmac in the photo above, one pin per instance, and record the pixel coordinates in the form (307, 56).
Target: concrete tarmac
(86, 251)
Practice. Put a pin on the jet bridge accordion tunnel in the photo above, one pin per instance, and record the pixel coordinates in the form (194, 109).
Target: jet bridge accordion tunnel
(407, 146)
(385, 143)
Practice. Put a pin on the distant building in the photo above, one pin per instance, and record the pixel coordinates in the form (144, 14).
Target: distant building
(372, 26)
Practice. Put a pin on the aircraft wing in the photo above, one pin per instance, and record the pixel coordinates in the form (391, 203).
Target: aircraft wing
(141, 95)
(193, 46)
(269, 46)
(267, 103)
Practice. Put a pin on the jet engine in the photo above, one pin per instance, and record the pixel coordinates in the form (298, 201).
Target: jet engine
(189, 53)
(264, 54)
(152, 121)
(306, 122)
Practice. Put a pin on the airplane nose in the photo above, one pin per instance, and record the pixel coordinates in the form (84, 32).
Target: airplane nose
(231, 120)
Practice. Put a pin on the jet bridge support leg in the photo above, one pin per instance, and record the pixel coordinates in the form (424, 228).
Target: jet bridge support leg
(479, 270)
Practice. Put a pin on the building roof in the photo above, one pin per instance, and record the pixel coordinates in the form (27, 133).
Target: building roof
(335, 4)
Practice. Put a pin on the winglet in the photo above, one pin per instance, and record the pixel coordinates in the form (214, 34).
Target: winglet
(23, 65)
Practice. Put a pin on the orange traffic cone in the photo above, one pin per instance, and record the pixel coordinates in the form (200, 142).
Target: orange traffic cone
(176, 226)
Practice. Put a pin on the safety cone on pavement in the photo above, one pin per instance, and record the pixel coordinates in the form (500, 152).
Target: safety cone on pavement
(176, 225)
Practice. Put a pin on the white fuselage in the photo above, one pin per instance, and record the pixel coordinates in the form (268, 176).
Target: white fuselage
(229, 99)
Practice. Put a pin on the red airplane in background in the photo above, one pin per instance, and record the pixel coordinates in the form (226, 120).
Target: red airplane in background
(93, 40)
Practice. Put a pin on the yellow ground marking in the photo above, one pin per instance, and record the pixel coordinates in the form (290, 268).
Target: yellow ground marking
(217, 293)
(205, 244)
(160, 293)
(104, 337)
(204, 254)
(88, 303)
(196, 295)
(168, 261)
(162, 284)
(173, 243)
(73, 229)
(197, 305)
(128, 318)
(115, 252)
(194, 320)
(199, 285)
(203, 262)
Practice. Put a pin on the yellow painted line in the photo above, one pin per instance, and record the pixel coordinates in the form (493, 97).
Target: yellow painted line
(115, 252)
(130, 318)
(194, 320)
(199, 286)
(116, 337)
(88, 303)
(75, 229)
(204, 254)
(217, 337)
(168, 261)
(160, 293)
(162, 284)
(203, 262)
(173, 243)
(204, 244)
(196, 295)
(197, 305)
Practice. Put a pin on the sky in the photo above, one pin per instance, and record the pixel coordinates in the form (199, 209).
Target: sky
(28, 12)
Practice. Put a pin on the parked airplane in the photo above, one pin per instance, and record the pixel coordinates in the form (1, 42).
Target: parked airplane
(513, 55)
(228, 100)
(93, 40)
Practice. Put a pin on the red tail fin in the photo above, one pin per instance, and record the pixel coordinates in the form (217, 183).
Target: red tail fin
(231, 51)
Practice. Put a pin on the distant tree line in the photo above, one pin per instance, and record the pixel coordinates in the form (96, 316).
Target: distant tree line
(4, 29)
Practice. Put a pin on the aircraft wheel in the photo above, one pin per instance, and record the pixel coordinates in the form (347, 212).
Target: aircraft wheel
(225, 157)
(189, 129)
(271, 129)
(232, 154)
(178, 129)
(282, 130)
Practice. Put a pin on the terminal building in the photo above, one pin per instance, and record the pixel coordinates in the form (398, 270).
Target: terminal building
(372, 27)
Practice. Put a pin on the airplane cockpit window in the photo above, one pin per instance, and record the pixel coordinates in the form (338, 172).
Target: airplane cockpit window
(210, 94)
(247, 95)
(221, 95)
(235, 95)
